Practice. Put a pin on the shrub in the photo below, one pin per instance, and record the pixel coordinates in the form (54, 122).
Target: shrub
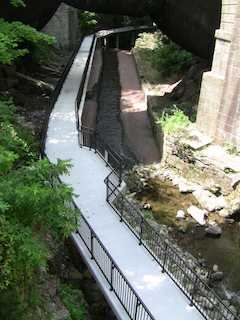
(169, 58)
(73, 302)
(171, 123)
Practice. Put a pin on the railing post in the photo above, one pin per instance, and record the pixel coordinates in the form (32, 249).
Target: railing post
(120, 174)
(107, 191)
(111, 280)
(164, 259)
(121, 219)
(137, 305)
(193, 293)
(95, 141)
(140, 235)
(92, 256)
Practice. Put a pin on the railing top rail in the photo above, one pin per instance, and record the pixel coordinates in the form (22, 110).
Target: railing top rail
(104, 33)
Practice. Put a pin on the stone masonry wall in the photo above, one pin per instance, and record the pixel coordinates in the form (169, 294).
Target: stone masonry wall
(228, 120)
(218, 111)
(196, 165)
(64, 27)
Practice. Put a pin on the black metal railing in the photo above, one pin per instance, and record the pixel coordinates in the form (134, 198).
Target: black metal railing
(54, 97)
(197, 291)
(88, 137)
(81, 92)
(131, 302)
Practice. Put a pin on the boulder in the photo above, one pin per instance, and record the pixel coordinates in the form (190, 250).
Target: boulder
(209, 201)
(198, 214)
(214, 231)
(217, 276)
(180, 215)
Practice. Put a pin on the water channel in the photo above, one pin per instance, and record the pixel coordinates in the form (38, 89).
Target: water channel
(108, 122)
(164, 198)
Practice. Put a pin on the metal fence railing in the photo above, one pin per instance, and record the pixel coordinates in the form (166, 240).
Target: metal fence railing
(131, 302)
(90, 138)
(197, 291)
(53, 99)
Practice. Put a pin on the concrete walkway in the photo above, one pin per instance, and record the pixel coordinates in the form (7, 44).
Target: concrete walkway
(161, 296)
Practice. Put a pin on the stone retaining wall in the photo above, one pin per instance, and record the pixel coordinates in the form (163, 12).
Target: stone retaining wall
(197, 158)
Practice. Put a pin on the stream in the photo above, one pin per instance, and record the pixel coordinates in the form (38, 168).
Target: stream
(224, 251)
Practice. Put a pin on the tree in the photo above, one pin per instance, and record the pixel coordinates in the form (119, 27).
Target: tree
(14, 34)
(32, 203)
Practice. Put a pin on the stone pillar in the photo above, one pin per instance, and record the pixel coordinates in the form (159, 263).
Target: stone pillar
(64, 27)
(228, 120)
(213, 108)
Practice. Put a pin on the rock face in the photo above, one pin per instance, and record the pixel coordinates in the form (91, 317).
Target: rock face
(191, 24)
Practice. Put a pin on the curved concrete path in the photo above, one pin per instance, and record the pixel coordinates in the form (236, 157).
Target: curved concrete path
(162, 297)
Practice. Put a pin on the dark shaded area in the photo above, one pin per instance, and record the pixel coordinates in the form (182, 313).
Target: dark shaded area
(189, 23)
(36, 13)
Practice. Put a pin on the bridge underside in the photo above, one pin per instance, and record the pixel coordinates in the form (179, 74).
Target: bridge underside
(189, 23)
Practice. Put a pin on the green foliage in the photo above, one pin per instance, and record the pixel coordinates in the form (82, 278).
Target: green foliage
(172, 123)
(148, 214)
(18, 3)
(87, 20)
(15, 33)
(166, 56)
(135, 21)
(231, 148)
(35, 298)
(170, 59)
(72, 300)
(14, 140)
(32, 204)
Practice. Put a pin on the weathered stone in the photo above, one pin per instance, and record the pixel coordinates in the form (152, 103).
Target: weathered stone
(180, 215)
(215, 268)
(74, 274)
(235, 180)
(184, 229)
(235, 205)
(209, 201)
(183, 187)
(216, 276)
(225, 213)
(62, 314)
(214, 231)
(198, 214)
